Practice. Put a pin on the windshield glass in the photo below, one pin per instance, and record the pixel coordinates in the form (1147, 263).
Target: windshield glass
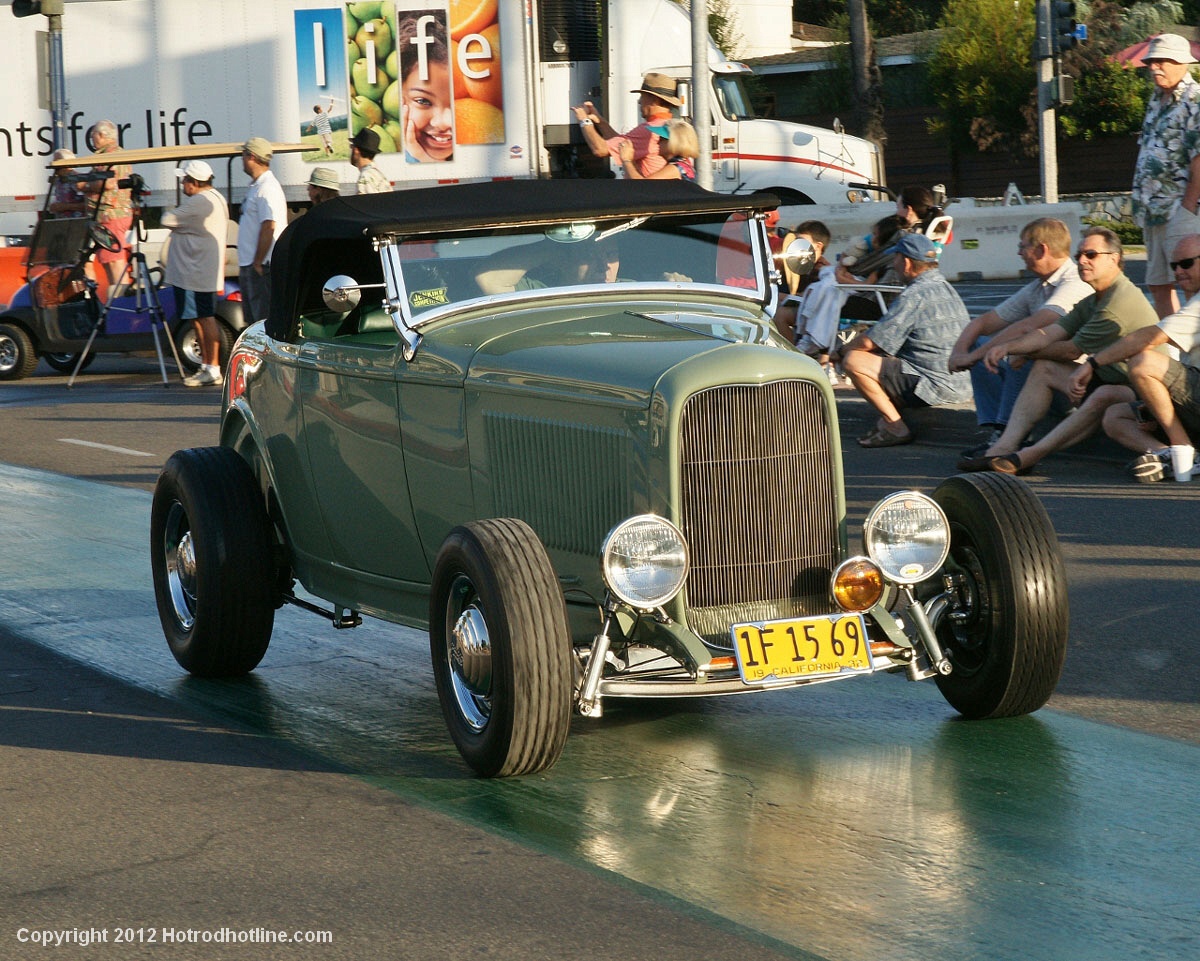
(696, 251)
(732, 97)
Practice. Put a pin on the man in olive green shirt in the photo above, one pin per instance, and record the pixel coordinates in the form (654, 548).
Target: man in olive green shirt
(1115, 309)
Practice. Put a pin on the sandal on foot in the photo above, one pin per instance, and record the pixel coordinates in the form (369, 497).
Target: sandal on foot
(885, 438)
(1008, 464)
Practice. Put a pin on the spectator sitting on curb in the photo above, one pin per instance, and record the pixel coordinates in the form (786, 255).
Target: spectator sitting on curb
(1116, 308)
(1169, 388)
(1045, 249)
(901, 361)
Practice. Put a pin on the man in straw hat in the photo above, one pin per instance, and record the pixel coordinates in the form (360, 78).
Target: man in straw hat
(1166, 178)
(264, 215)
(656, 96)
(323, 184)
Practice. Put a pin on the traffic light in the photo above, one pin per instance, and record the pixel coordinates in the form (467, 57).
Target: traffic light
(1062, 25)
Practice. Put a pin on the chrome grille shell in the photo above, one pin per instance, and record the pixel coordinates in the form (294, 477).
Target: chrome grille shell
(759, 504)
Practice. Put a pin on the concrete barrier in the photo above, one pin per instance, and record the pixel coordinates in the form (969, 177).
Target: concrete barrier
(983, 245)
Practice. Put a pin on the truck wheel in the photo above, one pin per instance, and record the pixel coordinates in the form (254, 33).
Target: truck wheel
(65, 363)
(17, 357)
(501, 648)
(1008, 649)
(189, 345)
(212, 556)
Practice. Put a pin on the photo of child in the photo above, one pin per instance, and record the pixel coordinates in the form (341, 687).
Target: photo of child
(426, 99)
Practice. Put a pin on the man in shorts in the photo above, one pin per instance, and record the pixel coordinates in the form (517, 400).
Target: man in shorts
(1169, 389)
(195, 263)
(1166, 178)
(902, 361)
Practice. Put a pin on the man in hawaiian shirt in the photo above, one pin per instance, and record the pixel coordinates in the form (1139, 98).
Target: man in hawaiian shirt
(1166, 179)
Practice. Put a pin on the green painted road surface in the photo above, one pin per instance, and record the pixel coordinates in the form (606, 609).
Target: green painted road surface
(856, 821)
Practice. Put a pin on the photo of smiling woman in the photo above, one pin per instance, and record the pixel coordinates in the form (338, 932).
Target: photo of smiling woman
(426, 100)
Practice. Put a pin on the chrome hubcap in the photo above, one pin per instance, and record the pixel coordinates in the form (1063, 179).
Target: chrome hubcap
(180, 555)
(469, 652)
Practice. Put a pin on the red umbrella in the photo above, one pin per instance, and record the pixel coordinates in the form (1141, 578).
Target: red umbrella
(1133, 55)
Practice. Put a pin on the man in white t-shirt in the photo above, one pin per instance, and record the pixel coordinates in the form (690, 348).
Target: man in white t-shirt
(195, 263)
(264, 215)
(1169, 389)
(1045, 249)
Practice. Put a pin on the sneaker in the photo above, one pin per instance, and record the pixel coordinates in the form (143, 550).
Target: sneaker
(980, 449)
(204, 378)
(1151, 468)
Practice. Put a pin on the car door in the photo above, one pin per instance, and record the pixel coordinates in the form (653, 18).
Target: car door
(352, 434)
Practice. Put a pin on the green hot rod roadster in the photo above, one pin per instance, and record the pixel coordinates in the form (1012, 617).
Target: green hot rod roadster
(552, 423)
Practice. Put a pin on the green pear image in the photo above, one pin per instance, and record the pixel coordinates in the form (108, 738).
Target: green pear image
(395, 132)
(352, 51)
(378, 32)
(386, 143)
(365, 11)
(391, 64)
(391, 100)
(372, 91)
(366, 112)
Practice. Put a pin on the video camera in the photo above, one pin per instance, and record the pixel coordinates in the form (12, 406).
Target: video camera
(134, 183)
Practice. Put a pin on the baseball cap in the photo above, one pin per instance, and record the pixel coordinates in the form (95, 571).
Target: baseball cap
(1169, 46)
(917, 247)
(260, 147)
(196, 169)
(324, 177)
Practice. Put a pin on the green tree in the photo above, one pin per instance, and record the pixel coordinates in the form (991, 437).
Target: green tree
(983, 77)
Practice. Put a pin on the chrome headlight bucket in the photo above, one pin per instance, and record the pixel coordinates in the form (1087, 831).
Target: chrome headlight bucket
(645, 561)
(908, 536)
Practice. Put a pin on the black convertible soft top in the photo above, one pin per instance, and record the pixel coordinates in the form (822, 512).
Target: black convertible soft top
(436, 210)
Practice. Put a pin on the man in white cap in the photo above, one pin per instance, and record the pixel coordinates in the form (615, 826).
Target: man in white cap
(903, 360)
(656, 96)
(195, 263)
(264, 215)
(1166, 178)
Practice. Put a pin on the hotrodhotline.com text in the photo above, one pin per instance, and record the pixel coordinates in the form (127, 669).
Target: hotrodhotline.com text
(84, 937)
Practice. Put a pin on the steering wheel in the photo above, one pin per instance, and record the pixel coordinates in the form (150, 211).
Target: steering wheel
(103, 238)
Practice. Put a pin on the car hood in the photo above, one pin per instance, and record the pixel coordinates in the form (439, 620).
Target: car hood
(619, 355)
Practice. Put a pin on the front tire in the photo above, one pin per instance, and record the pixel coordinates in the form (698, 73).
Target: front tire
(17, 356)
(212, 556)
(1008, 650)
(501, 647)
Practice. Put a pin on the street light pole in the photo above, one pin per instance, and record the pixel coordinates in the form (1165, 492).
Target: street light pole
(52, 10)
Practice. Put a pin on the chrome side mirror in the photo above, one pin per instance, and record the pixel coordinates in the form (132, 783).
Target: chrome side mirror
(799, 256)
(341, 293)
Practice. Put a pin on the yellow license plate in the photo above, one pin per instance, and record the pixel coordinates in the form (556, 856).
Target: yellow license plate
(775, 652)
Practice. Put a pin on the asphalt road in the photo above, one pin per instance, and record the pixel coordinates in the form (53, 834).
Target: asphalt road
(851, 821)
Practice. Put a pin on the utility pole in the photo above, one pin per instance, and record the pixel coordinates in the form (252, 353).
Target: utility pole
(1056, 32)
(53, 11)
(701, 84)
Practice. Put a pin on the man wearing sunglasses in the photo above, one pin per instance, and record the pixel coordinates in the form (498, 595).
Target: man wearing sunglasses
(1116, 308)
(1166, 177)
(1169, 388)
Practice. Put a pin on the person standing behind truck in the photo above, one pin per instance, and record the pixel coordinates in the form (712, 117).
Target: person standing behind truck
(195, 263)
(656, 97)
(363, 150)
(264, 215)
(1166, 177)
(115, 208)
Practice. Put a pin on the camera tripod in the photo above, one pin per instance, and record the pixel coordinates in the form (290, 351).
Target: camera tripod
(136, 277)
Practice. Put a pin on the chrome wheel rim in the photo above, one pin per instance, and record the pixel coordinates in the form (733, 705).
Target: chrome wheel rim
(8, 353)
(179, 553)
(469, 654)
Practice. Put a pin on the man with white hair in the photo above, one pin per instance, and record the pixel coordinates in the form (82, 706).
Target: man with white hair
(1166, 178)
(115, 210)
(195, 263)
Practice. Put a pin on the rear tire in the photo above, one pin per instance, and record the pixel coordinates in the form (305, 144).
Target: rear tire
(212, 554)
(65, 363)
(189, 345)
(17, 356)
(501, 647)
(1008, 652)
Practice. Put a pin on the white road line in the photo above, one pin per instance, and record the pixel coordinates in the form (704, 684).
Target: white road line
(108, 447)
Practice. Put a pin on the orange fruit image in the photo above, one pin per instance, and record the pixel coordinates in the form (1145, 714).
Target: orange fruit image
(470, 16)
(477, 122)
(489, 89)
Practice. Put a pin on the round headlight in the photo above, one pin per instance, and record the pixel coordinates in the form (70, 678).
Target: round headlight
(645, 561)
(908, 536)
